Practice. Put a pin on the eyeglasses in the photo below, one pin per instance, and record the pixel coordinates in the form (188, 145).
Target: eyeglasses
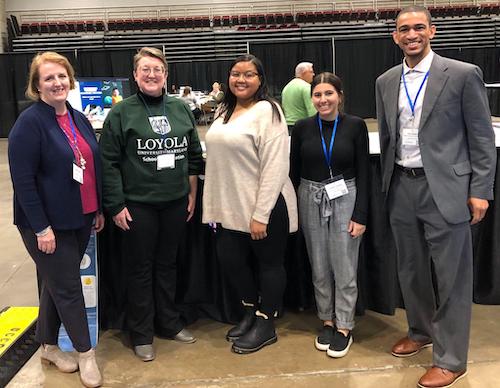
(247, 75)
(155, 70)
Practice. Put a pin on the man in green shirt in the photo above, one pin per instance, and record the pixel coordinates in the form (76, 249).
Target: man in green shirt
(296, 95)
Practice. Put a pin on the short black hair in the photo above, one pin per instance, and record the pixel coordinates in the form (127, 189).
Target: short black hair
(415, 8)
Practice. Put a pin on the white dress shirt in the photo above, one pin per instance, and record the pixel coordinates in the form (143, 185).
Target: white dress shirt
(408, 155)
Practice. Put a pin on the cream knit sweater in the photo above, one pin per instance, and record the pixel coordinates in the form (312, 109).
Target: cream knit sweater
(247, 168)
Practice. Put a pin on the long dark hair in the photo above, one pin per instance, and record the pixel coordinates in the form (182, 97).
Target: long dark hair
(228, 104)
(332, 79)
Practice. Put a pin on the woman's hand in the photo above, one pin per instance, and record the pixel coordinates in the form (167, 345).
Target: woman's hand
(258, 230)
(356, 229)
(193, 186)
(99, 222)
(122, 219)
(47, 242)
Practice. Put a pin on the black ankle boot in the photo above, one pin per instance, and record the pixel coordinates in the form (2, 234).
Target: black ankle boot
(261, 334)
(244, 326)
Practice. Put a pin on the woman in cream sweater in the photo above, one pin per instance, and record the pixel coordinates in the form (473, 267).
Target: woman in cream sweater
(249, 195)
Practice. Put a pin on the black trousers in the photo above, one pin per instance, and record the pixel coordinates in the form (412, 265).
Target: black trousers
(61, 297)
(150, 256)
(256, 267)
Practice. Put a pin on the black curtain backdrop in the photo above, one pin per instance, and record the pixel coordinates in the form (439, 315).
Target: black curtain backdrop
(358, 63)
(8, 96)
(489, 61)
(198, 75)
(109, 63)
(281, 58)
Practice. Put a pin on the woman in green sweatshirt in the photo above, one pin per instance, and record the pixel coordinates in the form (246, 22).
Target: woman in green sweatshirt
(151, 159)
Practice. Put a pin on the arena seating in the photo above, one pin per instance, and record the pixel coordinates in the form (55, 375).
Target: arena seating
(247, 21)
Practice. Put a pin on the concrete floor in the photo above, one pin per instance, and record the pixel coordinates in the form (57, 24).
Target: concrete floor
(291, 362)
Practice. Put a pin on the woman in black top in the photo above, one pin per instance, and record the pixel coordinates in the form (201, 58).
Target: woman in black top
(329, 167)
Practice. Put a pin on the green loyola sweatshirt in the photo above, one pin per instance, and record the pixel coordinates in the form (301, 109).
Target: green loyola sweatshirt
(129, 149)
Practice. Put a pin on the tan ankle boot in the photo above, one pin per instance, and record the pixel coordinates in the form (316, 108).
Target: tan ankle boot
(89, 372)
(63, 361)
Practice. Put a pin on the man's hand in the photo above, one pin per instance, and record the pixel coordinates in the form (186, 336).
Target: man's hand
(477, 208)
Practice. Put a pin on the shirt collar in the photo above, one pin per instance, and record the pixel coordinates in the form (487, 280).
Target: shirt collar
(423, 66)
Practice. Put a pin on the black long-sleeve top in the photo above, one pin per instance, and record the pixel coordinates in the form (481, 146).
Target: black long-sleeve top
(350, 156)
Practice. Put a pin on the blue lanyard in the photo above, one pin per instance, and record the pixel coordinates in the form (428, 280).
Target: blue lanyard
(328, 155)
(412, 103)
(163, 136)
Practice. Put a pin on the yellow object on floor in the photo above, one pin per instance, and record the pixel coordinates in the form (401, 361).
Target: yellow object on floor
(14, 321)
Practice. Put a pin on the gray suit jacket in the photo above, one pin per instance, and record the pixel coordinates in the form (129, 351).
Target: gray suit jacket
(456, 138)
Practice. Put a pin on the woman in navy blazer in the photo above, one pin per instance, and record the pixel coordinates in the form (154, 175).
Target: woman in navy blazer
(56, 174)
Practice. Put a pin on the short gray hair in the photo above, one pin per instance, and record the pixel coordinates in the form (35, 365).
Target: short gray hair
(301, 67)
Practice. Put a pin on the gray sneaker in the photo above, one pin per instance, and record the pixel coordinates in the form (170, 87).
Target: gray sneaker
(184, 336)
(145, 352)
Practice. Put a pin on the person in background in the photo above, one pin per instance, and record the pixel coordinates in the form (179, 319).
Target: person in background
(438, 163)
(296, 95)
(249, 194)
(56, 173)
(192, 101)
(115, 96)
(217, 94)
(151, 159)
(330, 167)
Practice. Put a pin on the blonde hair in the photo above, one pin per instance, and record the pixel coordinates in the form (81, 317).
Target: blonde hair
(34, 76)
(149, 52)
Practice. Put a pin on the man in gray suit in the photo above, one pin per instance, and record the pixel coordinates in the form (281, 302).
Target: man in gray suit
(438, 161)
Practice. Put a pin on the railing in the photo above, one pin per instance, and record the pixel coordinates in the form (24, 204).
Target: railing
(223, 8)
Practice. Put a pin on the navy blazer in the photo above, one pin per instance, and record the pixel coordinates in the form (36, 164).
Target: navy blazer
(41, 167)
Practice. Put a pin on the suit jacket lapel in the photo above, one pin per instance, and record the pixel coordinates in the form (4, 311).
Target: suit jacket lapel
(391, 98)
(435, 85)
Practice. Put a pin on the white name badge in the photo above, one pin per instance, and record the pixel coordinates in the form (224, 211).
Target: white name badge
(165, 161)
(336, 189)
(409, 136)
(78, 174)
(160, 124)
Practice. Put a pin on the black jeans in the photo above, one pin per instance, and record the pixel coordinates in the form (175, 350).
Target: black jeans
(255, 267)
(61, 297)
(150, 256)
